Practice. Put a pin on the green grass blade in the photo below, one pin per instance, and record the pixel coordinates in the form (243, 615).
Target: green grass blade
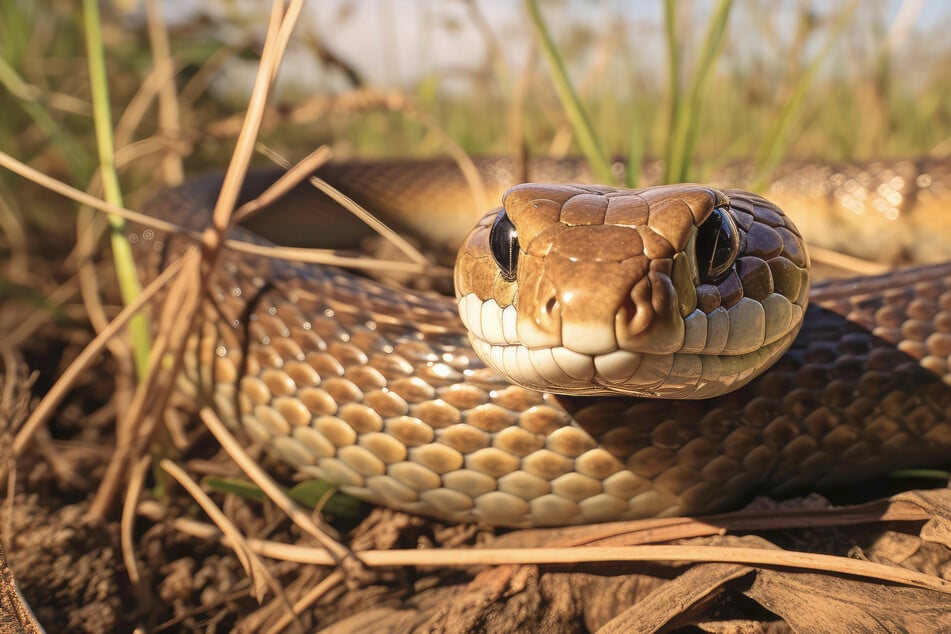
(922, 474)
(122, 252)
(635, 153)
(712, 46)
(311, 494)
(687, 116)
(71, 150)
(777, 138)
(671, 155)
(577, 116)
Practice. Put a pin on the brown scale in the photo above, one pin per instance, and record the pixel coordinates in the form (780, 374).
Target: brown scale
(492, 462)
(596, 464)
(436, 458)
(490, 417)
(708, 297)
(518, 441)
(437, 412)
(410, 430)
(755, 277)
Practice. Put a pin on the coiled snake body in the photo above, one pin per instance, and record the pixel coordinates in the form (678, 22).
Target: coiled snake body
(378, 389)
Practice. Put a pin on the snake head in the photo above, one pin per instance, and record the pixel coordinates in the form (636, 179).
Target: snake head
(673, 291)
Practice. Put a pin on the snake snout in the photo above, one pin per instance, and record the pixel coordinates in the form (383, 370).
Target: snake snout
(625, 306)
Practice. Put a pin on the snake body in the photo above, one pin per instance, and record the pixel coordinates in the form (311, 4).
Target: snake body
(377, 390)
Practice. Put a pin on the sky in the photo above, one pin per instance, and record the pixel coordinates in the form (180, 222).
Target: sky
(395, 43)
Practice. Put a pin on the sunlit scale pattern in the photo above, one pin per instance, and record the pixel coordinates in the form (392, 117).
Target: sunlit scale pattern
(892, 212)
(376, 390)
(595, 260)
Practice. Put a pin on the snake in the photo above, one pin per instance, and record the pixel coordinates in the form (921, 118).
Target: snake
(608, 354)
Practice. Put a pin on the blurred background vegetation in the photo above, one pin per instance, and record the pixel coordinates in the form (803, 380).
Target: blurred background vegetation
(880, 86)
(839, 81)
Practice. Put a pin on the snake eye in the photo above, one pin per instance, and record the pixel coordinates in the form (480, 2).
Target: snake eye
(503, 240)
(718, 244)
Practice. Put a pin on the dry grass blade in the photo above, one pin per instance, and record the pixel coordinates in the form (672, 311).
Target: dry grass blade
(47, 406)
(89, 229)
(420, 264)
(15, 613)
(337, 551)
(133, 114)
(353, 207)
(27, 327)
(278, 33)
(136, 482)
(138, 423)
(185, 295)
(469, 557)
(8, 394)
(333, 579)
(330, 257)
(168, 115)
(937, 505)
(255, 569)
(82, 197)
(395, 101)
(294, 175)
(14, 403)
(318, 256)
(12, 226)
(809, 602)
(857, 266)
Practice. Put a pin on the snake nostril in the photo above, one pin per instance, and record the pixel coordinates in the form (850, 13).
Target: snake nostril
(636, 307)
(628, 309)
(548, 315)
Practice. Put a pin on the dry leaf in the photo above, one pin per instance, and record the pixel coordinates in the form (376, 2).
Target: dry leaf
(811, 602)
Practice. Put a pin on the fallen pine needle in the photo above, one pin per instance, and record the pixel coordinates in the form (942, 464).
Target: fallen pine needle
(466, 557)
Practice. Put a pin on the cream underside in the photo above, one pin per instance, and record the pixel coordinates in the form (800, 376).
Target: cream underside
(721, 351)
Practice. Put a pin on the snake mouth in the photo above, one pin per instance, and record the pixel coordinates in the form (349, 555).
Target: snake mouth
(699, 369)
